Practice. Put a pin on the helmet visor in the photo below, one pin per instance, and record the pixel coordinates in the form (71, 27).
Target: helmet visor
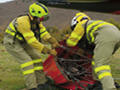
(45, 18)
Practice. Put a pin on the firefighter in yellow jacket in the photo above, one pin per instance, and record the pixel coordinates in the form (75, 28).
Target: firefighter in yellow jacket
(21, 41)
(104, 37)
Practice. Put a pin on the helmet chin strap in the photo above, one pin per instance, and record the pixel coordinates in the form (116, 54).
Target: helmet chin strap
(31, 17)
(34, 19)
(38, 20)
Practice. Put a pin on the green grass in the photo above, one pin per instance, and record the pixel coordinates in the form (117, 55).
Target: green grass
(115, 66)
(11, 77)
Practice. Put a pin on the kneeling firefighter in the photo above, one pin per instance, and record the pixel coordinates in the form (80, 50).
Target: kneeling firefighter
(21, 41)
(104, 37)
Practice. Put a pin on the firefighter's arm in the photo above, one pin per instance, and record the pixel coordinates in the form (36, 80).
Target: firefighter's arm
(24, 29)
(49, 51)
(41, 48)
(75, 36)
(43, 33)
(46, 36)
(29, 37)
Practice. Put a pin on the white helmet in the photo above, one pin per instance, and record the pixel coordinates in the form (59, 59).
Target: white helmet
(78, 18)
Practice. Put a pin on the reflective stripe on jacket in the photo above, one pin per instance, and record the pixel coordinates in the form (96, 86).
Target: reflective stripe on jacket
(76, 34)
(92, 27)
(23, 26)
(79, 31)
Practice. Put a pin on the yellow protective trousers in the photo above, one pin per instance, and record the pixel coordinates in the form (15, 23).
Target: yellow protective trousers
(107, 41)
(29, 60)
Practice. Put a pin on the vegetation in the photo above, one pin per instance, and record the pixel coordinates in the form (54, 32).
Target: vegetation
(1, 36)
(59, 34)
(117, 24)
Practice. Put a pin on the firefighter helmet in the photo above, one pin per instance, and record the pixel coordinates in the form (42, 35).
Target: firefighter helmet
(39, 10)
(78, 18)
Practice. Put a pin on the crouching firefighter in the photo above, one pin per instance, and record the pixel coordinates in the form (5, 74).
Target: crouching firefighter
(96, 33)
(21, 41)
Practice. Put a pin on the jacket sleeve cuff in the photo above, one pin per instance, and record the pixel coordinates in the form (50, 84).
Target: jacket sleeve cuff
(52, 40)
(46, 50)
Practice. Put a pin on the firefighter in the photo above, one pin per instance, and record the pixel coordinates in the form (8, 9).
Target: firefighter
(104, 37)
(22, 40)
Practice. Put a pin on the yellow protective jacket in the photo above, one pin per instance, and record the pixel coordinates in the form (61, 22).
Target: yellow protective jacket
(86, 29)
(23, 26)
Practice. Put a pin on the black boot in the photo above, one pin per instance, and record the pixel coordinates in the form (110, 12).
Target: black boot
(96, 86)
(117, 85)
(47, 87)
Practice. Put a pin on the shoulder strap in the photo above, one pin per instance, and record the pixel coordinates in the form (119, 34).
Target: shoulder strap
(37, 34)
(17, 32)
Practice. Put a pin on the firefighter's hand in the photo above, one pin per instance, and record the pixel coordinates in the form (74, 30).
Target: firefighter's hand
(53, 52)
(66, 36)
(53, 42)
(55, 45)
(46, 50)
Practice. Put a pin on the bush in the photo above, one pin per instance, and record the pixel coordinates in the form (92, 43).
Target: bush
(117, 24)
(59, 34)
(1, 36)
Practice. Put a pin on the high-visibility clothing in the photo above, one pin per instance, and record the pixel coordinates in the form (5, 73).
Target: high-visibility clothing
(29, 60)
(20, 40)
(22, 24)
(106, 38)
(79, 31)
(76, 35)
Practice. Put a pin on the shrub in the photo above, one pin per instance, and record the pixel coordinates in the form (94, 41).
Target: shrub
(59, 34)
(117, 24)
(56, 33)
(1, 36)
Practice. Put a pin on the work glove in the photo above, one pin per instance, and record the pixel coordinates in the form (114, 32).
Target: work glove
(53, 52)
(55, 45)
(53, 42)
(66, 36)
(80, 51)
(46, 50)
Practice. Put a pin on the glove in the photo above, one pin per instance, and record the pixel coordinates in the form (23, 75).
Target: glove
(66, 36)
(53, 52)
(46, 50)
(54, 43)
(80, 51)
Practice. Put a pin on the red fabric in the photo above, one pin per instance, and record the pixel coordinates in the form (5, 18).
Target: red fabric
(52, 69)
